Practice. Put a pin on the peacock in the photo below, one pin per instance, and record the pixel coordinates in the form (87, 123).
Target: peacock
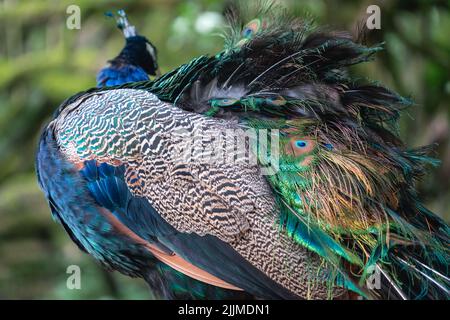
(265, 169)
(136, 61)
(165, 281)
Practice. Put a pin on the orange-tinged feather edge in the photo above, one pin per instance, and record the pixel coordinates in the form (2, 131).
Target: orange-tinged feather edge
(174, 261)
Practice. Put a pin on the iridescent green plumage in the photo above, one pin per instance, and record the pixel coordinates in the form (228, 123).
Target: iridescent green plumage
(351, 196)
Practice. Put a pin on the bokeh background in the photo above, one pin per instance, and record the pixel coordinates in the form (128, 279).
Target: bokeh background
(42, 63)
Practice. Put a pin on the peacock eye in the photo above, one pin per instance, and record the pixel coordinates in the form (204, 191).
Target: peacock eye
(301, 146)
(247, 33)
(301, 143)
(226, 102)
(251, 28)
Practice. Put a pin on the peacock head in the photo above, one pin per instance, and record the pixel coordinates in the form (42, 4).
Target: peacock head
(138, 49)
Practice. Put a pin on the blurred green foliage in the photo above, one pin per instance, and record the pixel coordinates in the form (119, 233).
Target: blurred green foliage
(42, 63)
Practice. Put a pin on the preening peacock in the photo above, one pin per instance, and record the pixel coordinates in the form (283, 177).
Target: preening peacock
(313, 198)
(135, 62)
